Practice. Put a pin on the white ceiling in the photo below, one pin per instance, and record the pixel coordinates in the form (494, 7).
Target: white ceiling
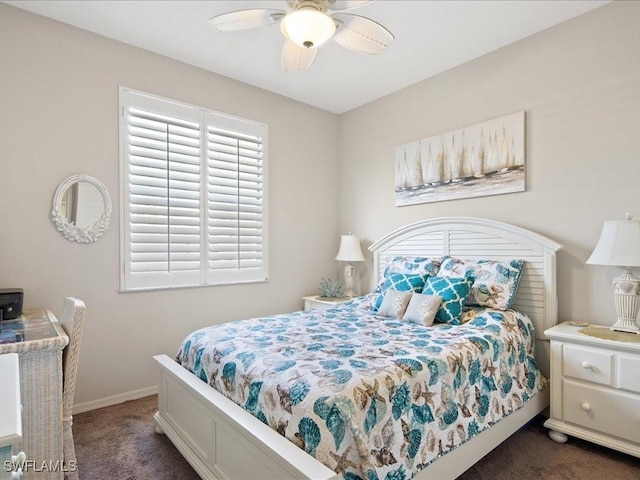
(430, 37)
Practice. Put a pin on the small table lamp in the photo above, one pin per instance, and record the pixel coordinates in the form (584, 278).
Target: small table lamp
(619, 245)
(350, 251)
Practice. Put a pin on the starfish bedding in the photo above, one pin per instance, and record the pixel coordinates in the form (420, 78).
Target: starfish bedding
(370, 396)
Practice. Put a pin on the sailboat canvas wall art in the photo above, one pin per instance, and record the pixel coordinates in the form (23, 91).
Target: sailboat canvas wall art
(480, 160)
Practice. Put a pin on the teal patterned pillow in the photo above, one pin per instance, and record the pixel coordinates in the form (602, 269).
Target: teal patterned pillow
(401, 282)
(495, 283)
(409, 266)
(453, 291)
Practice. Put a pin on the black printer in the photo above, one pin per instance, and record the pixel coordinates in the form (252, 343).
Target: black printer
(10, 303)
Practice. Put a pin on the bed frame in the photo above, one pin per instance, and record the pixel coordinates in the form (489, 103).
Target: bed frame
(223, 441)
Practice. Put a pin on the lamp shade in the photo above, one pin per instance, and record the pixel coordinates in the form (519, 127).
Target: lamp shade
(619, 244)
(308, 27)
(350, 250)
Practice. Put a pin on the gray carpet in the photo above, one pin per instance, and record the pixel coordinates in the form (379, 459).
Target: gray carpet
(120, 443)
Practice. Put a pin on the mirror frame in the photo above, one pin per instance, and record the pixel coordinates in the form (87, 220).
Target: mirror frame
(70, 231)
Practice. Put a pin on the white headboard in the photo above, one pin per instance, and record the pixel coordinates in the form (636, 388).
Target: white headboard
(476, 238)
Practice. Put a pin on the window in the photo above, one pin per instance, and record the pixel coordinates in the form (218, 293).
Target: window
(192, 195)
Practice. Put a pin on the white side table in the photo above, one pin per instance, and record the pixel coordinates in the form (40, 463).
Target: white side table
(595, 386)
(317, 302)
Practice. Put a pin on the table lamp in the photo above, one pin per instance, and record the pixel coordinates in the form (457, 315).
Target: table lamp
(619, 245)
(349, 251)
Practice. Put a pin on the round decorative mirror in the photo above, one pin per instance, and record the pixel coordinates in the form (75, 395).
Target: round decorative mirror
(81, 208)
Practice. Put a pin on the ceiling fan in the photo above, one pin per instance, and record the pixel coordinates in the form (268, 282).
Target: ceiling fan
(310, 23)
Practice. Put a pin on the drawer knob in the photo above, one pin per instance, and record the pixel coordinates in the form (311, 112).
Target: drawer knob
(587, 365)
(585, 406)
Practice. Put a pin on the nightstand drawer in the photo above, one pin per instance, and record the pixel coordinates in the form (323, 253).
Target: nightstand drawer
(629, 373)
(602, 410)
(589, 364)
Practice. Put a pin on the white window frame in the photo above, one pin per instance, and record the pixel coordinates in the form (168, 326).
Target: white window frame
(218, 272)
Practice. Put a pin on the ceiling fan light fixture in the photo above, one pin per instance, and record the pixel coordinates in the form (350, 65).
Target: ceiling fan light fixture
(308, 27)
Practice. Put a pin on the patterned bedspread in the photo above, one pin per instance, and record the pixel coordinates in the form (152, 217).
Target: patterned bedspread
(371, 397)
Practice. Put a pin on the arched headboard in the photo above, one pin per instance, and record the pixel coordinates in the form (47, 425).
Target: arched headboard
(480, 238)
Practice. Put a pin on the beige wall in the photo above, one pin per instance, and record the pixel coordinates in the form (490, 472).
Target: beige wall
(579, 84)
(59, 116)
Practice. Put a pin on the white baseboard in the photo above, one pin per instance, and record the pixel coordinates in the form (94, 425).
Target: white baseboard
(114, 400)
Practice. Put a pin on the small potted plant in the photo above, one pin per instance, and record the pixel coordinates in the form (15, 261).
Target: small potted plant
(329, 289)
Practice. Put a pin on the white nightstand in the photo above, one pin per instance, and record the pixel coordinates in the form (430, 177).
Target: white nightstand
(317, 302)
(595, 386)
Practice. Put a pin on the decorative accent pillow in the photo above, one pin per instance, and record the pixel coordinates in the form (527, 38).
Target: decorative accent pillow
(409, 266)
(394, 304)
(422, 309)
(401, 282)
(453, 291)
(494, 283)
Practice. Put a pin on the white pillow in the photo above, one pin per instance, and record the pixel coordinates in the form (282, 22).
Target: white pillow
(394, 303)
(422, 309)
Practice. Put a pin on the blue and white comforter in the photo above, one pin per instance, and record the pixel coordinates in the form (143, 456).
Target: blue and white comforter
(370, 397)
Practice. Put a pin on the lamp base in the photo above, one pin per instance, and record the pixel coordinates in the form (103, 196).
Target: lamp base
(625, 325)
(349, 274)
(626, 294)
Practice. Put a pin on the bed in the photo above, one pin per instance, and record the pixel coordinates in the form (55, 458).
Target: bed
(222, 440)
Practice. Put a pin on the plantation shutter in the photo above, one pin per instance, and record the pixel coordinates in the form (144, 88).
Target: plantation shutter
(235, 200)
(193, 195)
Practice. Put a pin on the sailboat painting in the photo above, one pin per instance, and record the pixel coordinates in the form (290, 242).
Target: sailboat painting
(483, 159)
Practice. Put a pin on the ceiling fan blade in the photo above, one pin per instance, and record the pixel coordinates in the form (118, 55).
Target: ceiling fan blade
(246, 19)
(361, 34)
(295, 57)
(340, 5)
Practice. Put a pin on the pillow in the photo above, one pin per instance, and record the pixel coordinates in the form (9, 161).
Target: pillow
(401, 282)
(394, 304)
(495, 283)
(453, 291)
(422, 309)
(410, 266)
